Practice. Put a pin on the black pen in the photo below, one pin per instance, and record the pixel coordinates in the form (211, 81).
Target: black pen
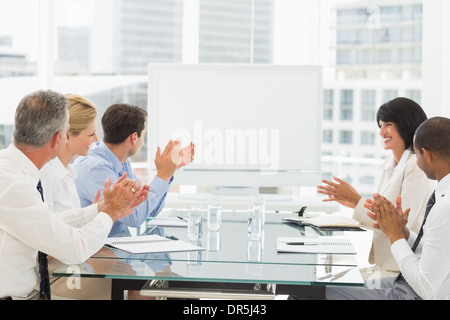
(181, 218)
(302, 243)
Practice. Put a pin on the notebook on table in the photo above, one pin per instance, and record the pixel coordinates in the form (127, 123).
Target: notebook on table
(150, 244)
(167, 222)
(315, 245)
(328, 222)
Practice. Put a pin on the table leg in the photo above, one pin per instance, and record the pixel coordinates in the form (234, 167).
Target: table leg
(118, 286)
(302, 292)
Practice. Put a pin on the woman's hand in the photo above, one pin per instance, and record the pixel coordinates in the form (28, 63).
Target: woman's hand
(341, 192)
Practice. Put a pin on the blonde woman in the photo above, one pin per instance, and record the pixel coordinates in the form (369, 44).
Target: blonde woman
(60, 193)
(58, 176)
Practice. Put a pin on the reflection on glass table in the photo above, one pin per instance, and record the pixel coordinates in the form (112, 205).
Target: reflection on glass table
(230, 257)
(231, 242)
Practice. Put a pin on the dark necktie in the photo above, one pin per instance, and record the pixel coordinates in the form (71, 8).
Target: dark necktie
(122, 171)
(430, 205)
(44, 286)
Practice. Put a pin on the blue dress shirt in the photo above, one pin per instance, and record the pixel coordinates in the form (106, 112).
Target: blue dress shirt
(101, 163)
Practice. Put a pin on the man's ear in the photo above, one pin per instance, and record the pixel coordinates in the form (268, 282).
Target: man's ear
(55, 139)
(133, 138)
(428, 155)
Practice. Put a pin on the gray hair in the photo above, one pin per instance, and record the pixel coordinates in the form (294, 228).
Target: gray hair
(39, 116)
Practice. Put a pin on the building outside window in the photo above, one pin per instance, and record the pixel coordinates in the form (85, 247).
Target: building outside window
(371, 52)
(347, 105)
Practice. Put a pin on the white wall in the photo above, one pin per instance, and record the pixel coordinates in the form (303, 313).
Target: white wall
(297, 23)
(436, 62)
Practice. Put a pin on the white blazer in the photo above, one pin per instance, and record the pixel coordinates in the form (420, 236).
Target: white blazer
(409, 181)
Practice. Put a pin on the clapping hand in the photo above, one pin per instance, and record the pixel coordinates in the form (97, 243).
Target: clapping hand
(341, 192)
(390, 219)
(172, 158)
(124, 196)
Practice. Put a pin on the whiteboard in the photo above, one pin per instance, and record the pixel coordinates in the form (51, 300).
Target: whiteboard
(244, 119)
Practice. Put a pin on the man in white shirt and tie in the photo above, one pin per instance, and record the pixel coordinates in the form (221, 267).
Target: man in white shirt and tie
(26, 223)
(424, 259)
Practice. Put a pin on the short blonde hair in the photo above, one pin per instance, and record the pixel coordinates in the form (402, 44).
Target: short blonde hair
(82, 113)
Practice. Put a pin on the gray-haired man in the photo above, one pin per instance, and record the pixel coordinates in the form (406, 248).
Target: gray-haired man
(26, 224)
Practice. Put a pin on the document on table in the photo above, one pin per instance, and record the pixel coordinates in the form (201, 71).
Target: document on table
(150, 244)
(337, 245)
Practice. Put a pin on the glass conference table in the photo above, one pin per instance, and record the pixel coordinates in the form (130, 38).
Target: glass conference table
(231, 266)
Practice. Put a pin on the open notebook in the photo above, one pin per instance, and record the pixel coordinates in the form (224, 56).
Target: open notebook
(150, 244)
(315, 245)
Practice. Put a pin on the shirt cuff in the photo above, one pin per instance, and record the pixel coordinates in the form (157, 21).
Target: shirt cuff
(160, 185)
(400, 250)
(106, 218)
(412, 238)
(91, 212)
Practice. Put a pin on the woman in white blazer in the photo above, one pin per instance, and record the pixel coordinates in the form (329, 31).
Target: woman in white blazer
(400, 176)
(60, 193)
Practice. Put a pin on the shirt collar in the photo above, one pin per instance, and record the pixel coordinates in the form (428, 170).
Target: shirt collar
(391, 165)
(111, 157)
(24, 163)
(443, 188)
(62, 171)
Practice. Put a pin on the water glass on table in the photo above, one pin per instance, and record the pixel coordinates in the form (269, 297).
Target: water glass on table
(214, 213)
(195, 222)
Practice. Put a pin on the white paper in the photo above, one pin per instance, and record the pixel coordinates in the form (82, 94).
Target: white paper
(167, 222)
(150, 244)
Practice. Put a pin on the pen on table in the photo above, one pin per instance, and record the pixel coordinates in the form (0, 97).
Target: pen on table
(301, 243)
(172, 237)
(181, 218)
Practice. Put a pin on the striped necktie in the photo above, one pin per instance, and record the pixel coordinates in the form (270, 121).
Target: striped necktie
(44, 286)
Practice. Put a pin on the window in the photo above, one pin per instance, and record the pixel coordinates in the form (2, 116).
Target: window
(370, 52)
(389, 95)
(345, 137)
(367, 138)
(415, 95)
(368, 105)
(347, 105)
(328, 101)
(18, 59)
(328, 136)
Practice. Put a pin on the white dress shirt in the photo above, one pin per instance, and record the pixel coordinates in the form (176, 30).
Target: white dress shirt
(427, 270)
(28, 226)
(58, 183)
(410, 182)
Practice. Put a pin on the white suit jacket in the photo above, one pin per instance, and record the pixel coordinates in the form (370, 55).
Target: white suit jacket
(409, 181)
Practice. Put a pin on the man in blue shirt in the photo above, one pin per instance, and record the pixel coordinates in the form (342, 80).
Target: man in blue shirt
(124, 132)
